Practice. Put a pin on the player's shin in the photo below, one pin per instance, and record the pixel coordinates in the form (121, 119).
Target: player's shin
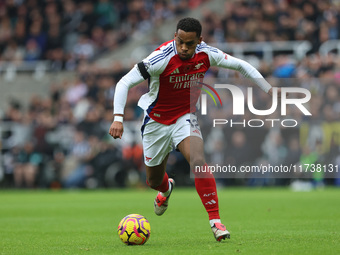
(206, 188)
(164, 186)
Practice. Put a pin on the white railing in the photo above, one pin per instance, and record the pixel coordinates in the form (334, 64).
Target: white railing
(263, 50)
(298, 49)
(329, 46)
(10, 69)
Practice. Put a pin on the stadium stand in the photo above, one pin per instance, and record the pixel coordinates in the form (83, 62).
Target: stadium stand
(68, 122)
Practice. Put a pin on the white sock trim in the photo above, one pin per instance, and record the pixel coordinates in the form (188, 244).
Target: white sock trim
(213, 221)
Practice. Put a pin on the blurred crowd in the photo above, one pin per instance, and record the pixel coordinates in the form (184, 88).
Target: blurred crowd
(62, 140)
(279, 20)
(65, 32)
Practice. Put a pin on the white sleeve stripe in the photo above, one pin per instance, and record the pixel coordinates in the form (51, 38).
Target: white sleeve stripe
(174, 46)
(155, 60)
(202, 47)
(161, 56)
(168, 49)
(157, 56)
(169, 53)
(163, 51)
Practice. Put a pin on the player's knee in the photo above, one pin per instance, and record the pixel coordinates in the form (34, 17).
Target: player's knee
(197, 161)
(197, 167)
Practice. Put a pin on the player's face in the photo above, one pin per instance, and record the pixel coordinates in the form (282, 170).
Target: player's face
(186, 43)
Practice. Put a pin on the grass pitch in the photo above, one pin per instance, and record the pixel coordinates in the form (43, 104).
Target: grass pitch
(261, 221)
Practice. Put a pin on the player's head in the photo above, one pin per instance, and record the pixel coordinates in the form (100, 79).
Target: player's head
(187, 36)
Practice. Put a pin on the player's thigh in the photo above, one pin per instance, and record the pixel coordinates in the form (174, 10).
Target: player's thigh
(188, 139)
(156, 144)
(192, 149)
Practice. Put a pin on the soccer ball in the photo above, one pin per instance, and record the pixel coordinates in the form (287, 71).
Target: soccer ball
(134, 229)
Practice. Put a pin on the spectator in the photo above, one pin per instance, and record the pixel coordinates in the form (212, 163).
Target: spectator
(36, 34)
(19, 33)
(13, 53)
(76, 90)
(107, 14)
(26, 166)
(5, 31)
(33, 52)
(90, 125)
(76, 168)
(83, 49)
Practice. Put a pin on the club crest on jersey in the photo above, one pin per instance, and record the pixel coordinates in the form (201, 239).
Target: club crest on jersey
(193, 123)
(198, 66)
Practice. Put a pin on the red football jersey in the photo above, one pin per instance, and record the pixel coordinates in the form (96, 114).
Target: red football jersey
(174, 85)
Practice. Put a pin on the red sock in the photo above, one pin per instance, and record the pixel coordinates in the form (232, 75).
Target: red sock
(206, 189)
(164, 187)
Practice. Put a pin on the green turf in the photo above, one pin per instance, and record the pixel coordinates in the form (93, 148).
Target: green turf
(261, 221)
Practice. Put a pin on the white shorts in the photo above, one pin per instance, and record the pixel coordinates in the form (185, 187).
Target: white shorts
(159, 139)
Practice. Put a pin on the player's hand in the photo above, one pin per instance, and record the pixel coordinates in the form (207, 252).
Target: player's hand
(116, 129)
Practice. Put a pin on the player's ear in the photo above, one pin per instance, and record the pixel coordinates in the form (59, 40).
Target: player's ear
(200, 40)
(175, 35)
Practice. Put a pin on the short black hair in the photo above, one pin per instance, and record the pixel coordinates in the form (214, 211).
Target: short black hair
(190, 25)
